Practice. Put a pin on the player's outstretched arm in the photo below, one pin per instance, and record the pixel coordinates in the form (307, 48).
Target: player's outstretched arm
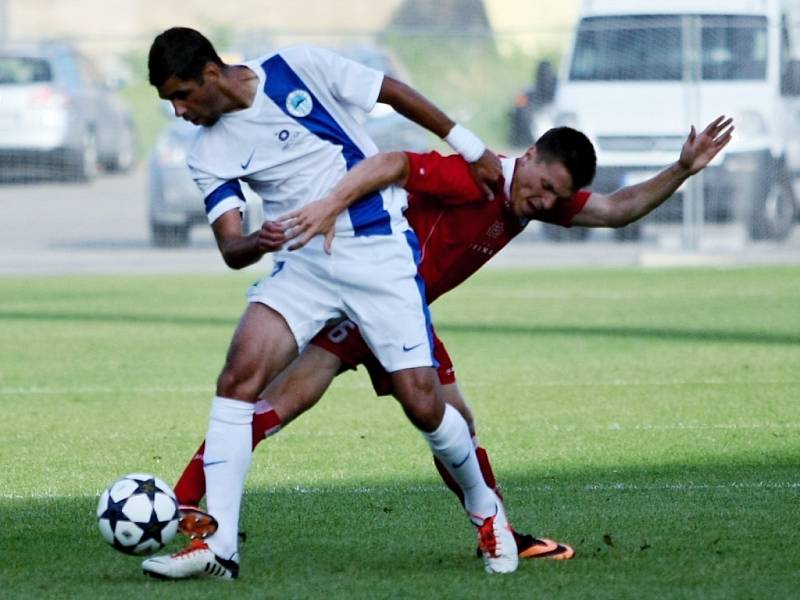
(631, 203)
(239, 250)
(319, 217)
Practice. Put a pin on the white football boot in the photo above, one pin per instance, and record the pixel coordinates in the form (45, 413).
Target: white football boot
(496, 541)
(196, 560)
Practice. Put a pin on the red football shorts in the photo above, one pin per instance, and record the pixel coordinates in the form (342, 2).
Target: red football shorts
(345, 341)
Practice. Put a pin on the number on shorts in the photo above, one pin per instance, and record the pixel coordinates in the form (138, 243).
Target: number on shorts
(339, 333)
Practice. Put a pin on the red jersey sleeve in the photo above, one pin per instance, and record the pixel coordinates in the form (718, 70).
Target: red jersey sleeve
(562, 213)
(448, 179)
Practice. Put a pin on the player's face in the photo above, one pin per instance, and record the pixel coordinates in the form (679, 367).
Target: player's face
(538, 185)
(197, 102)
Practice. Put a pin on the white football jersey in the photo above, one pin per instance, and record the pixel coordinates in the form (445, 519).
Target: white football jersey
(296, 141)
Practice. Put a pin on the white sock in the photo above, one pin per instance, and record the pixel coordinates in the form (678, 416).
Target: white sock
(227, 459)
(452, 445)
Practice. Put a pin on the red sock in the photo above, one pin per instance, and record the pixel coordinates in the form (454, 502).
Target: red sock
(191, 486)
(486, 471)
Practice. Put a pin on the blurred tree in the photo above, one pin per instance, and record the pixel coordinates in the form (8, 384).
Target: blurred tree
(466, 16)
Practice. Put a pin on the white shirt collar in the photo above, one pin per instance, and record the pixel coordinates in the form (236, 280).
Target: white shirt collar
(507, 165)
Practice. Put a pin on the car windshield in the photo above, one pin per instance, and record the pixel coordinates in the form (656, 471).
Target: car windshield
(21, 70)
(651, 48)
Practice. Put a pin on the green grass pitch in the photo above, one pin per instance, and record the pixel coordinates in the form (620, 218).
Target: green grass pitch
(651, 418)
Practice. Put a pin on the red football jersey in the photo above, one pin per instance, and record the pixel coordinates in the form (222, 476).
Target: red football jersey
(458, 229)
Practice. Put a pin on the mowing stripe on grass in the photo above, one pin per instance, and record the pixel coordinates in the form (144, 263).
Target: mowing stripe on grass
(436, 489)
(364, 384)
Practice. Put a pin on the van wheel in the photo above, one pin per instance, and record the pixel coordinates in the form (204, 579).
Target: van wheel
(773, 214)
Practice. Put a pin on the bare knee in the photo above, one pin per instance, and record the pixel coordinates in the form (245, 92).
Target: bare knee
(416, 390)
(234, 383)
(261, 347)
(452, 396)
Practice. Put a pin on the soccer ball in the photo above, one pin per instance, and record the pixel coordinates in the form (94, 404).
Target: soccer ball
(138, 514)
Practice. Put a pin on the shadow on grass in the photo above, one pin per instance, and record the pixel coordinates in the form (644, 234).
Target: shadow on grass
(125, 318)
(656, 531)
(657, 333)
(615, 331)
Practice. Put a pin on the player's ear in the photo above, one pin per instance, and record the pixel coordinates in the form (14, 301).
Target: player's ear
(212, 72)
(530, 153)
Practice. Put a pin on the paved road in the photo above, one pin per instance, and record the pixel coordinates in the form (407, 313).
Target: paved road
(101, 227)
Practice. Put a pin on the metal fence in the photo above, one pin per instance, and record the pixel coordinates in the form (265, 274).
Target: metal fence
(633, 83)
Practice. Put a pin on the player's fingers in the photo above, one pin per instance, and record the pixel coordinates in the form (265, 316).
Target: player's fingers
(328, 245)
(299, 243)
(715, 123)
(487, 191)
(272, 226)
(270, 242)
(290, 215)
(726, 125)
(289, 223)
(292, 233)
(726, 137)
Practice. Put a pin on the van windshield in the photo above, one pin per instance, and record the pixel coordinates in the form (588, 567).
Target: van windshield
(651, 47)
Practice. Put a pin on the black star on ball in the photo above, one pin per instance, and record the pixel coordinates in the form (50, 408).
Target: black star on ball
(152, 529)
(113, 512)
(147, 487)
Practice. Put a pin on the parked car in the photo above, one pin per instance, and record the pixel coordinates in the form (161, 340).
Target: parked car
(174, 200)
(58, 117)
(176, 205)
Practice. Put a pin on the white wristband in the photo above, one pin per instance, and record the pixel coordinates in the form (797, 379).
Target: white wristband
(466, 143)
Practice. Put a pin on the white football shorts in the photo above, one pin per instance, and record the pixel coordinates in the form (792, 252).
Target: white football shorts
(372, 280)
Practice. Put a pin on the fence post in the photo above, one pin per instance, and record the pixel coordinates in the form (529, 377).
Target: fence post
(693, 193)
(3, 21)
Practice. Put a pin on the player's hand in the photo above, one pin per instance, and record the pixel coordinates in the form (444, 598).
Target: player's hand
(318, 217)
(270, 237)
(487, 171)
(700, 149)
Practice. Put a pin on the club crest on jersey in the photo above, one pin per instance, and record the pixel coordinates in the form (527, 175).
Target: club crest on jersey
(299, 103)
(496, 230)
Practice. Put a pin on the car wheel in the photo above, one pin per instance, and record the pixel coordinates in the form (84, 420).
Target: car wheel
(555, 233)
(125, 154)
(169, 236)
(85, 164)
(773, 214)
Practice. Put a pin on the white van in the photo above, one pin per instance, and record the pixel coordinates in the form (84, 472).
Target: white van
(639, 72)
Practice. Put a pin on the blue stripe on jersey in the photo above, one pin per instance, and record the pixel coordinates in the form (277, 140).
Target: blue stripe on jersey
(413, 242)
(368, 215)
(227, 189)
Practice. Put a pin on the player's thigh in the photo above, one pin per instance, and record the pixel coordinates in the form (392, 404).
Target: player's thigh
(262, 346)
(302, 292)
(300, 385)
